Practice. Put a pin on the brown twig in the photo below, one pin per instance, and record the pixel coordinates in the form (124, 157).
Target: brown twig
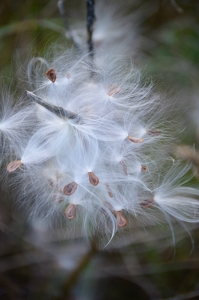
(176, 6)
(71, 280)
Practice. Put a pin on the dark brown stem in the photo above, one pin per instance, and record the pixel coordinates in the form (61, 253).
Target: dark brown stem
(90, 23)
(69, 32)
(71, 280)
(176, 6)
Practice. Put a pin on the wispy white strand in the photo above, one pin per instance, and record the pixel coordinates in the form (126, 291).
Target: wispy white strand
(104, 164)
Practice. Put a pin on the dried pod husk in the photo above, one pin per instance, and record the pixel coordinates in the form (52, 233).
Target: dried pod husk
(120, 219)
(70, 211)
(135, 140)
(14, 165)
(154, 132)
(94, 180)
(51, 74)
(147, 202)
(70, 188)
(57, 110)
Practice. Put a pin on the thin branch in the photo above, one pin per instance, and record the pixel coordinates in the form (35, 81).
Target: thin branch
(90, 23)
(176, 6)
(71, 280)
(69, 32)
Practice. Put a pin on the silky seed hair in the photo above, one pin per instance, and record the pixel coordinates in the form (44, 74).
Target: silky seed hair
(89, 156)
(91, 146)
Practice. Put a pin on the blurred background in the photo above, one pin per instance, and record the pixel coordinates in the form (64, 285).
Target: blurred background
(37, 262)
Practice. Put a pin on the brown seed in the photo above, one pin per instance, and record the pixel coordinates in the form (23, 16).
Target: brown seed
(154, 132)
(121, 221)
(51, 74)
(51, 183)
(109, 191)
(70, 188)
(68, 75)
(143, 168)
(57, 198)
(113, 89)
(135, 140)
(147, 203)
(70, 211)
(14, 165)
(124, 166)
(94, 180)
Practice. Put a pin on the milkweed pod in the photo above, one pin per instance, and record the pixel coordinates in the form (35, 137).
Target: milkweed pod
(57, 110)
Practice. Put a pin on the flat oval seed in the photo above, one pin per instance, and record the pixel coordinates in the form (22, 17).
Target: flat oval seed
(124, 167)
(94, 180)
(70, 188)
(143, 168)
(135, 140)
(51, 74)
(154, 132)
(70, 211)
(147, 203)
(113, 90)
(13, 165)
(121, 221)
(109, 191)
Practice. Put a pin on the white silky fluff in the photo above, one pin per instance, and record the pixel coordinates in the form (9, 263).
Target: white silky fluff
(121, 136)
